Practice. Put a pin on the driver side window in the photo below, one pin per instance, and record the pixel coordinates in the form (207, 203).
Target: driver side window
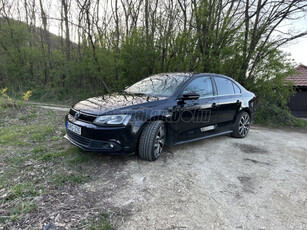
(201, 86)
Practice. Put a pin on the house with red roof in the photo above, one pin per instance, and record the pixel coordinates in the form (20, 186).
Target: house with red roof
(298, 102)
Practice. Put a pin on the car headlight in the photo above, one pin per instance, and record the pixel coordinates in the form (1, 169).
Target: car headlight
(112, 120)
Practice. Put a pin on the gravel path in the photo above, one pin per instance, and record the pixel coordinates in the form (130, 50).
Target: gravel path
(259, 182)
(55, 107)
(62, 109)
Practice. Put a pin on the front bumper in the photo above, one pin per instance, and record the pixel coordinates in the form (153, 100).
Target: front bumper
(111, 140)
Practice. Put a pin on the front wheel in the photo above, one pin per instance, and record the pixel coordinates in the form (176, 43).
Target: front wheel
(242, 125)
(152, 141)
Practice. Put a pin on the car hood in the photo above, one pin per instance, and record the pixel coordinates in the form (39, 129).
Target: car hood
(106, 103)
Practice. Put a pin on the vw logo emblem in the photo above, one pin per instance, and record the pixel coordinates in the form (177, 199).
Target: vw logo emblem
(77, 115)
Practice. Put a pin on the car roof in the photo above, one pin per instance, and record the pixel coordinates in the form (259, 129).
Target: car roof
(190, 74)
(172, 74)
(211, 74)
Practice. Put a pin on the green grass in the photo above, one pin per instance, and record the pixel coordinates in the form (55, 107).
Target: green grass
(101, 222)
(80, 158)
(28, 117)
(15, 160)
(27, 189)
(39, 149)
(300, 123)
(20, 134)
(75, 178)
(36, 160)
(23, 208)
(5, 103)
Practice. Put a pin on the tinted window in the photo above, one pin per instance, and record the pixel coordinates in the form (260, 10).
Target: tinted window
(237, 89)
(224, 86)
(201, 85)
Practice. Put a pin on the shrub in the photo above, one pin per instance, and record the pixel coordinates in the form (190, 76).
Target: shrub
(26, 96)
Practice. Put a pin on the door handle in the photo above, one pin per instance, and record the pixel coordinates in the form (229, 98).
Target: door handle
(214, 105)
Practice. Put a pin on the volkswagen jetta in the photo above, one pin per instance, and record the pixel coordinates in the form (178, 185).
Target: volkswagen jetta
(164, 109)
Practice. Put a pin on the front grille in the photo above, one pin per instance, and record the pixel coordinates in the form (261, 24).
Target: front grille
(83, 116)
(78, 139)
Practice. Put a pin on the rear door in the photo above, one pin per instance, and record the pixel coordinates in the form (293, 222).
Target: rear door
(229, 100)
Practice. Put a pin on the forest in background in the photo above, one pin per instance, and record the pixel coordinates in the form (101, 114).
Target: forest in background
(101, 46)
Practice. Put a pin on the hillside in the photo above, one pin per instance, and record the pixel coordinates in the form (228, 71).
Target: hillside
(36, 33)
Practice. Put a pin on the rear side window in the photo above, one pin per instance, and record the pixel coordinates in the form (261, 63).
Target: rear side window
(237, 89)
(224, 86)
(201, 85)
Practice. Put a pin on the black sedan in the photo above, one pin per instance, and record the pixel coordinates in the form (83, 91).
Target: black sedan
(164, 109)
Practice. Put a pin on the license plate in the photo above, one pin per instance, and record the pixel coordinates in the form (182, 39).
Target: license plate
(74, 128)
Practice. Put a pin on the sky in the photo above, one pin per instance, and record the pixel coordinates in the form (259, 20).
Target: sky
(298, 48)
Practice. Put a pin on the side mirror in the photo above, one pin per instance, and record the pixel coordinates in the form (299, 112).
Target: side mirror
(189, 96)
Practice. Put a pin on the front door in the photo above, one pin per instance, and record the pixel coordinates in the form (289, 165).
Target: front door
(196, 118)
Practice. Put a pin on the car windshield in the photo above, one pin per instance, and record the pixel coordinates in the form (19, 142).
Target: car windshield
(158, 85)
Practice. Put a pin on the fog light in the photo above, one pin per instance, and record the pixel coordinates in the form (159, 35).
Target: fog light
(108, 146)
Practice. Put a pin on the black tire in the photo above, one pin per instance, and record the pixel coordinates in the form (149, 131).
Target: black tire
(242, 125)
(152, 141)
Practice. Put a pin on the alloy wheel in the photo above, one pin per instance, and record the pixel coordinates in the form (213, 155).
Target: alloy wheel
(159, 141)
(244, 125)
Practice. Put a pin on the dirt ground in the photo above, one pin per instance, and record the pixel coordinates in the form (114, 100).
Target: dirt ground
(259, 182)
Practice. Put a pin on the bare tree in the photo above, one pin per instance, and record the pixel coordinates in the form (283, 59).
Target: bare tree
(66, 6)
(265, 20)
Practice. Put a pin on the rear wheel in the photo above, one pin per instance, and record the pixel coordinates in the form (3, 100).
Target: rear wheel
(152, 141)
(242, 125)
